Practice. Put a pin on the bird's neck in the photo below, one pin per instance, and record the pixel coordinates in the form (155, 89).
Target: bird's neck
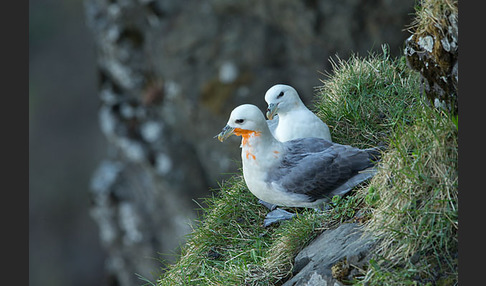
(258, 144)
(246, 135)
(293, 114)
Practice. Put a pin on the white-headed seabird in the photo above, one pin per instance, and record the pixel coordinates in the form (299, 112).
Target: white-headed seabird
(305, 172)
(295, 120)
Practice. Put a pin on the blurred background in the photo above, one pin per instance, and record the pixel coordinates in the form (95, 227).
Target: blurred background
(65, 146)
(125, 97)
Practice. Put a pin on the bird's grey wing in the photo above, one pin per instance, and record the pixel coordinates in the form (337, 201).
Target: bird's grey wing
(317, 168)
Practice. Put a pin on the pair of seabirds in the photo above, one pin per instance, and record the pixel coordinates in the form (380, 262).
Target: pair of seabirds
(294, 163)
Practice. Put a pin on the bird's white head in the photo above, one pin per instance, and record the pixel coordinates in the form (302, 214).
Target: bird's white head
(245, 120)
(281, 99)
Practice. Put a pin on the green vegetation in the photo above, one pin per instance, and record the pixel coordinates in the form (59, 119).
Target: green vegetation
(365, 100)
(411, 204)
(231, 246)
(416, 214)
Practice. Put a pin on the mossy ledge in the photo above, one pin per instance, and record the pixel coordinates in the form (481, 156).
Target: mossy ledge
(410, 205)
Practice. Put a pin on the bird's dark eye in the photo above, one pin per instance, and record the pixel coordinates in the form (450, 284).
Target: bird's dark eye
(280, 94)
(239, 121)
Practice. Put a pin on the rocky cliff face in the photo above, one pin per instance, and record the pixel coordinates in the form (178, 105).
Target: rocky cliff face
(433, 50)
(170, 72)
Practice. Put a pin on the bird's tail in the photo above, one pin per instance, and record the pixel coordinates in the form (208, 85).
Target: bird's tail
(375, 152)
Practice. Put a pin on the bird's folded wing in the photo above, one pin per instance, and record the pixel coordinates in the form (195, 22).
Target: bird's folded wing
(316, 167)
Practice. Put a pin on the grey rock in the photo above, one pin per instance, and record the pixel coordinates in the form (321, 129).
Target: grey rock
(346, 245)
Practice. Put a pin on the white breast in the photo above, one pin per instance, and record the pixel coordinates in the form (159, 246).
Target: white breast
(301, 124)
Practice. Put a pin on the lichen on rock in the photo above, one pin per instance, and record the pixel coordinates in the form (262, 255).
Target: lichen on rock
(433, 50)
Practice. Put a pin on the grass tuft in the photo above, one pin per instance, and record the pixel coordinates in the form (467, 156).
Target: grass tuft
(416, 215)
(364, 100)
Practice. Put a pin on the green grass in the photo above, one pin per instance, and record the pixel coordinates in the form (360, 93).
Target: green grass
(364, 100)
(411, 204)
(231, 247)
(416, 215)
